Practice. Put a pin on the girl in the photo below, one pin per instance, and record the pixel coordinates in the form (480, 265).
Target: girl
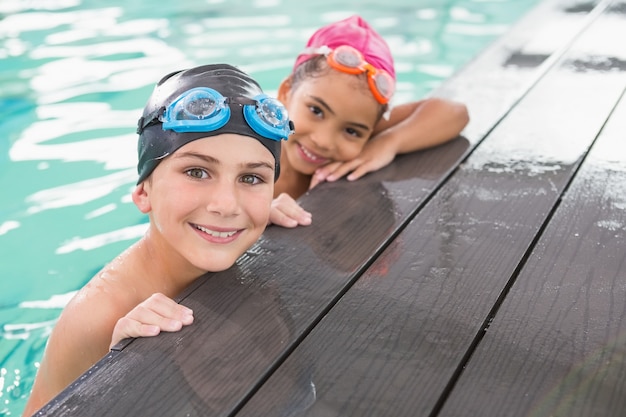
(338, 97)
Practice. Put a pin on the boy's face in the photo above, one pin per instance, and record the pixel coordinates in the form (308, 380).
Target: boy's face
(210, 200)
(334, 115)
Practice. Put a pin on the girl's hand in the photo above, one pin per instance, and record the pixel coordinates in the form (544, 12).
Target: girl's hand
(376, 154)
(157, 313)
(286, 212)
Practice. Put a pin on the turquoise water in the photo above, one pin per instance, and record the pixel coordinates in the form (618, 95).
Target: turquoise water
(74, 76)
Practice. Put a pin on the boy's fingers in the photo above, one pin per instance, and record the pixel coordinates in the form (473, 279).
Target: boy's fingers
(281, 219)
(156, 314)
(299, 214)
(285, 221)
(286, 212)
(304, 218)
(290, 217)
(168, 308)
(168, 322)
(127, 327)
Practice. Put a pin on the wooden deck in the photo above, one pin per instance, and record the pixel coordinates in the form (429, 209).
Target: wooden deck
(484, 277)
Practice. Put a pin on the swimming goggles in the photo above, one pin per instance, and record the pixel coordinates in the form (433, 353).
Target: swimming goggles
(204, 109)
(350, 60)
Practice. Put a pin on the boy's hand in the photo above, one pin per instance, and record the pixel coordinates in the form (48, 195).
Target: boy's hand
(157, 313)
(375, 155)
(286, 212)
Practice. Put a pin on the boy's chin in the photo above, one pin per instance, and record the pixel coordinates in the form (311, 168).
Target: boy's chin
(218, 265)
(219, 261)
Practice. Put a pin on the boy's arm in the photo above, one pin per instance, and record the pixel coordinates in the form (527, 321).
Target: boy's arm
(67, 355)
(80, 338)
(411, 127)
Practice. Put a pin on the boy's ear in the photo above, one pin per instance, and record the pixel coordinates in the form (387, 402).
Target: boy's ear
(284, 89)
(141, 198)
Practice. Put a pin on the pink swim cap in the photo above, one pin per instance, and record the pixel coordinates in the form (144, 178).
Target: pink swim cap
(356, 32)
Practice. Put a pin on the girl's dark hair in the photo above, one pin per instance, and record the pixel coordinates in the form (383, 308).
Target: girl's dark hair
(317, 67)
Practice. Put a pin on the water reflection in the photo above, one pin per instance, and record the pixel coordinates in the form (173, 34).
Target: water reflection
(79, 193)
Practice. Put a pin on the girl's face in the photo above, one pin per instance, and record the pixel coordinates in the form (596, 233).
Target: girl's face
(334, 116)
(210, 200)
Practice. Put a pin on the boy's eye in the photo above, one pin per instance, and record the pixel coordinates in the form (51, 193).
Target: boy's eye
(197, 173)
(251, 179)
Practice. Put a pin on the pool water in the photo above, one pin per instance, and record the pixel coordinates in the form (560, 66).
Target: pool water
(74, 76)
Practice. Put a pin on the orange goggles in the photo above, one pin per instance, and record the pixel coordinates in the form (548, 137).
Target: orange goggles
(349, 60)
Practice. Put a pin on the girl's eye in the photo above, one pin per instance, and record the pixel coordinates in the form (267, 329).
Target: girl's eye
(353, 132)
(197, 173)
(316, 110)
(252, 179)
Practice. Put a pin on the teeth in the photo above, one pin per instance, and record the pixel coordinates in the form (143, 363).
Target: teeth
(309, 154)
(214, 233)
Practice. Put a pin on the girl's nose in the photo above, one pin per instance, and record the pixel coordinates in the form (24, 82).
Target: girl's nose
(324, 139)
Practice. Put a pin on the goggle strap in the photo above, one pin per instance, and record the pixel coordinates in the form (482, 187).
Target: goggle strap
(319, 50)
(149, 120)
(240, 100)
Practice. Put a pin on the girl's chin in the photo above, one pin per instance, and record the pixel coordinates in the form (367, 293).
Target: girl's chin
(305, 168)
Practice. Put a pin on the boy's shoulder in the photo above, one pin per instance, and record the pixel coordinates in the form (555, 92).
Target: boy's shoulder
(97, 306)
(107, 297)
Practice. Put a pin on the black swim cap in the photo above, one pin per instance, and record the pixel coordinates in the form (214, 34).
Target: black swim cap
(156, 143)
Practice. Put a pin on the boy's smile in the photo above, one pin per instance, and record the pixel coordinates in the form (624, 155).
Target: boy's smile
(216, 236)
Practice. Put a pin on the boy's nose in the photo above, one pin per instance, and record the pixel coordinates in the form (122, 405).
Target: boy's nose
(223, 199)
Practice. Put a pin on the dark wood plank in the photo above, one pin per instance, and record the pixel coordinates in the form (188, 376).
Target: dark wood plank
(394, 344)
(557, 346)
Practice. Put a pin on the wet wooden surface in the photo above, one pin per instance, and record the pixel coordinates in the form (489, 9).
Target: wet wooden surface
(483, 277)
(557, 345)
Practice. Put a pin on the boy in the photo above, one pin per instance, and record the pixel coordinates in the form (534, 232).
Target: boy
(209, 154)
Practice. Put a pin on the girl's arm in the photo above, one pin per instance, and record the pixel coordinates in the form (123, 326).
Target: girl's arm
(422, 124)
